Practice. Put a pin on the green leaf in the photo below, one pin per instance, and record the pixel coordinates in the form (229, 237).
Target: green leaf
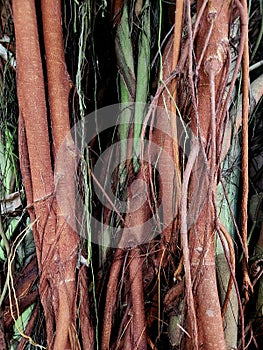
(143, 78)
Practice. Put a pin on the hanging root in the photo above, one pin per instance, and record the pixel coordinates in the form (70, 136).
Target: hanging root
(111, 298)
(232, 267)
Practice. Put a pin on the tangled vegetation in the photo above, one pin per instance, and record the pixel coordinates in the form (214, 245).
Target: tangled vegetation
(131, 174)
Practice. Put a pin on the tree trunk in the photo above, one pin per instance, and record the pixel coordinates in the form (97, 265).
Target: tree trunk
(211, 56)
(56, 240)
(59, 84)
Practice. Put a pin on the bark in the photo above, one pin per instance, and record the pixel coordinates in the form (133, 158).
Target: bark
(56, 240)
(25, 165)
(138, 197)
(65, 255)
(32, 110)
(87, 331)
(59, 83)
(139, 325)
(131, 235)
(26, 174)
(165, 136)
(211, 58)
(231, 313)
(111, 298)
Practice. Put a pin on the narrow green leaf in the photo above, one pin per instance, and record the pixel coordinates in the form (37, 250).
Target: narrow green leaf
(143, 78)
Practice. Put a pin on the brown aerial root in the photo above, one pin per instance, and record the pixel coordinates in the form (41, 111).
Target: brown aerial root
(23, 303)
(139, 324)
(178, 24)
(73, 338)
(211, 54)
(185, 248)
(110, 302)
(232, 268)
(25, 166)
(25, 296)
(35, 161)
(179, 269)
(248, 287)
(175, 292)
(135, 333)
(116, 8)
(56, 241)
(151, 344)
(166, 98)
(87, 331)
(58, 90)
(29, 328)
